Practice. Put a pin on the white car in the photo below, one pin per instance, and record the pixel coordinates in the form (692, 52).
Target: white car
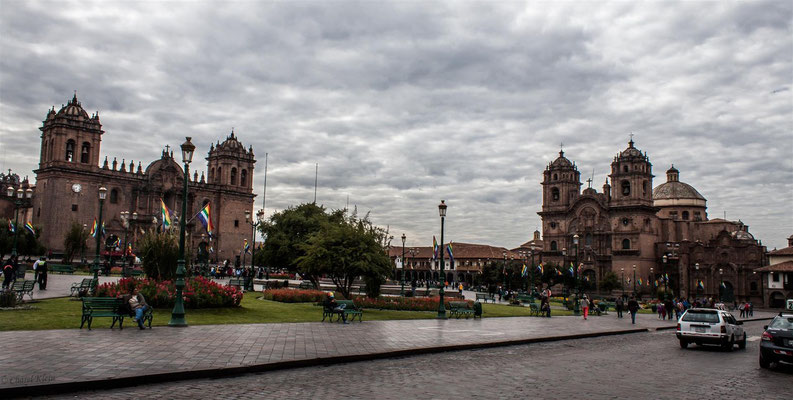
(710, 326)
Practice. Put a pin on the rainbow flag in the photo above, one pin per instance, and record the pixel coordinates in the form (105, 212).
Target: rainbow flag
(117, 243)
(246, 246)
(656, 283)
(558, 271)
(449, 251)
(166, 215)
(104, 232)
(666, 277)
(93, 229)
(30, 228)
(211, 250)
(129, 248)
(541, 269)
(723, 286)
(11, 226)
(700, 284)
(205, 218)
(639, 281)
(434, 248)
(570, 270)
(524, 271)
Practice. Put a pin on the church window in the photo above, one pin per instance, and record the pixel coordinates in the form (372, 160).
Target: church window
(624, 168)
(219, 176)
(70, 150)
(673, 214)
(644, 187)
(74, 207)
(85, 153)
(753, 286)
(233, 176)
(211, 175)
(204, 203)
(553, 246)
(685, 215)
(588, 239)
(38, 212)
(236, 223)
(626, 221)
(553, 225)
(697, 216)
(243, 177)
(555, 176)
(114, 196)
(775, 276)
(626, 244)
(51, 146)
(555, 194)
(626, 188)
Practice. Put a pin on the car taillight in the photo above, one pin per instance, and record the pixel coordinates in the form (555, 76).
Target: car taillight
(723, 329)
(678, 326)
(767, 336)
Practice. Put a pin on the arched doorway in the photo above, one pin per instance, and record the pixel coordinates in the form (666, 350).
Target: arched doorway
(726, 293)
(776, 300)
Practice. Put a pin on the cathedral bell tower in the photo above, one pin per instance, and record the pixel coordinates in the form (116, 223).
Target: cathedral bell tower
(231, 165)
(561, 184)
(70, 137)
(631, 178)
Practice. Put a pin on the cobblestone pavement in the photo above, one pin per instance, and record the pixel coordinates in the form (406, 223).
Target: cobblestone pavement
(638, 366)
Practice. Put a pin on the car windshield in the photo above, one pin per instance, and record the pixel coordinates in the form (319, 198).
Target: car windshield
(781, 323)
(701, 316)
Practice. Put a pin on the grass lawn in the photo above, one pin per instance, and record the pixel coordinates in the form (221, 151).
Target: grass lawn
(64, 313)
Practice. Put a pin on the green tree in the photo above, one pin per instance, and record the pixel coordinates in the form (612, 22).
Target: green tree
(159, 253)
(27, 243)
(610, 282)
(345, 250)
(287, 231)
(74, 243)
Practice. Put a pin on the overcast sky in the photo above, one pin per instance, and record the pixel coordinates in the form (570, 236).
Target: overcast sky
(403, 104)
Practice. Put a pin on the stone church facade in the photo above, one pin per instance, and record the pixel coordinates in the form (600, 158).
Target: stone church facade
(69, 177)
(637, 231)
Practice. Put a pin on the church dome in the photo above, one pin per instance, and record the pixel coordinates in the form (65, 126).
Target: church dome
(561, 162)
(674, 189)
(73, 109)
(742, 235)
(631, 151)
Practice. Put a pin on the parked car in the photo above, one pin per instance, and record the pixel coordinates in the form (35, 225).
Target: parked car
(776, 344)
(710, 326)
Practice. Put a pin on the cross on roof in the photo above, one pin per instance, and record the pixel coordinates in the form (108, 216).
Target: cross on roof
(589, 181)
(167, 148)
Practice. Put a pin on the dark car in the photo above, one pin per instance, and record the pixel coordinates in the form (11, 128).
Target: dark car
(777, 340)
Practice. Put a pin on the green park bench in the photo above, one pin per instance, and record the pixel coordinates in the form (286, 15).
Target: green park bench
(306, 285)
(485, 297)
(460, 309)
(136, 272)
(238, 282)
(22, 288)
(604, 306)
(349, 309)
(85, 285)
(109, 307)
(60, 268)
(525, 298)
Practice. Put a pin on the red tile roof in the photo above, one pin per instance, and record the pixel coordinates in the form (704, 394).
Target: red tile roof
(786, 266)
(460, 250)
(787, 251)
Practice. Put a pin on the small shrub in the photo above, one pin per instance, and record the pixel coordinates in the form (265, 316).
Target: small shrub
(8, 299)
(198, 292)
(294, 295)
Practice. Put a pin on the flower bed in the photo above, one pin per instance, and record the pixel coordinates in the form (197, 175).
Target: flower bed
(198, 292)
(380, 303)
(294, 295)
(281, 276)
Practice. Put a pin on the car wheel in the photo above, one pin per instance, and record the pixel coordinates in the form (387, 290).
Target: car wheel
(742, 343)
(683, 344)
(727, 345)
(764, 363)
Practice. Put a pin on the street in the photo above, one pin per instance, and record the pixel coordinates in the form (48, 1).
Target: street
(643, 365)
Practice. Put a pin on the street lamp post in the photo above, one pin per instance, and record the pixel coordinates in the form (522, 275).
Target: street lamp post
(402, 275)
(576, 306)
(721, 284)
(622, 272)
(177, 315)
(125, 222)
(441, 307)
(254, 225)
(95, 282)
(504, 271)
(652, 276)
(634, 279)
(696, 276)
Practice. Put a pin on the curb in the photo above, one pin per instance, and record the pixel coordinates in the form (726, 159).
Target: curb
(121, 382)
(665, 328)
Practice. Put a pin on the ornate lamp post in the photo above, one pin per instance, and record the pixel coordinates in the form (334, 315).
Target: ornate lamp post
(102, 195)
(576, 306)
(696, 276)
(652, 276)
(17, 205)
(634, 279)
(441, 307)
(721, 283)
(412, 251)
(622, 272)
(177, 315)
(254, 224)
(402, 275)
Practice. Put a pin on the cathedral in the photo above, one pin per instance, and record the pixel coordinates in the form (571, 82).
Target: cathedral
(69, 176)
(649, 237)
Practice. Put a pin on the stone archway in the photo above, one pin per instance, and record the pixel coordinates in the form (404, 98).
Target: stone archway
(726, 292)
(776, 299)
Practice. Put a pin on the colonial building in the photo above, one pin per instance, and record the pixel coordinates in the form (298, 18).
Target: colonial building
(69, 177)
(777, 277)
(469, 260)
(643, 233)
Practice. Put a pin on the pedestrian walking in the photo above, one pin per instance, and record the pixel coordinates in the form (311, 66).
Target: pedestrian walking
(8, 272)
(619, 304)
(42, 273)
(585, 306)
(460, 287)
(633, 308)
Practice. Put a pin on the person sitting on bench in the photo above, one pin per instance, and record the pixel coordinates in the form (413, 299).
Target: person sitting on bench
(330, 304)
